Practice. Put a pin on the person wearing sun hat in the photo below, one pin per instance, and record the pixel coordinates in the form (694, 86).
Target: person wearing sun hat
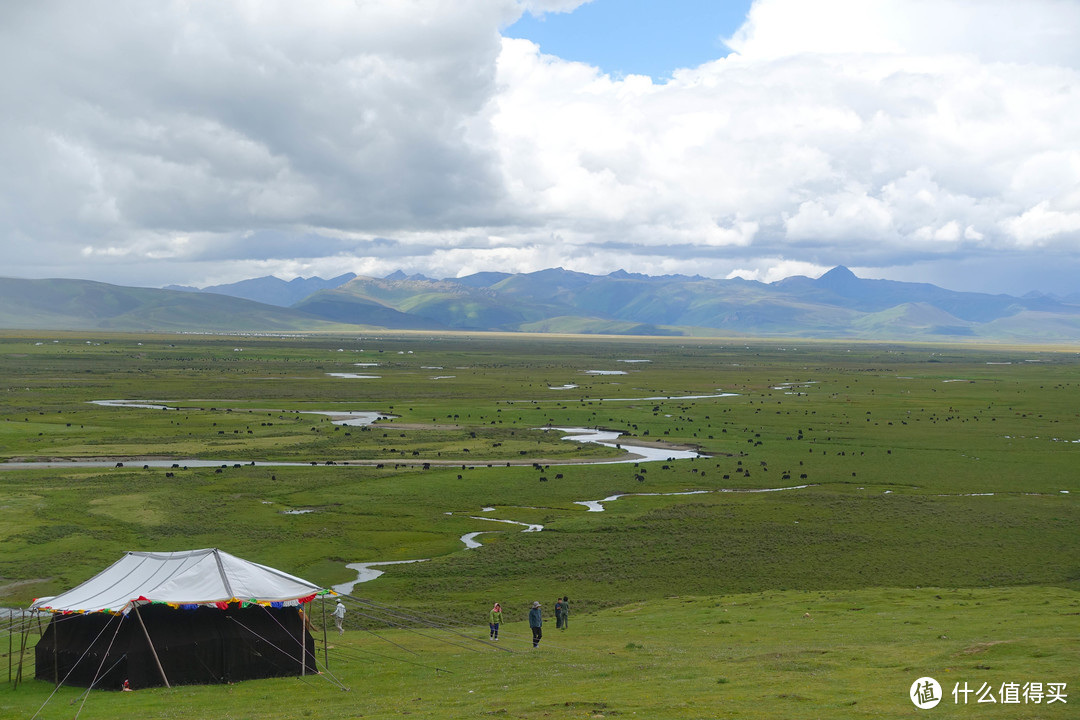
(535, 622)
(339, 616)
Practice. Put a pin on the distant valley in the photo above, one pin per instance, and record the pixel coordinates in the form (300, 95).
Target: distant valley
(837, 305)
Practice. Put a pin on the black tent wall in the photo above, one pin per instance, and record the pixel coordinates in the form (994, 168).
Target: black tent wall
(201, 646)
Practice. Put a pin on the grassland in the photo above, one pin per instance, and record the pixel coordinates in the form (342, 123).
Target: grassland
(930, 524)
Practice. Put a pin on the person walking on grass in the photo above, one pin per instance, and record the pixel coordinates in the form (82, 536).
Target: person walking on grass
(494, 619)
(536, 622)
(339, 617)
(558, 614)
(565, 607)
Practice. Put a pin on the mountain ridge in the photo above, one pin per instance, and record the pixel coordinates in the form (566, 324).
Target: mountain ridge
(837, 305)
(271, 290)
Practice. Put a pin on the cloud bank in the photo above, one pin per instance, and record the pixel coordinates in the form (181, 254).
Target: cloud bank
(202, 142)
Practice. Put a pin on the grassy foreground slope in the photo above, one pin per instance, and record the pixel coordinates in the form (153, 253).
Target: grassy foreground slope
(850, 654)
(925, 467)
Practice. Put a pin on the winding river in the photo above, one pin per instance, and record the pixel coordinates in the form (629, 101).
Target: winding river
(367, 571)
(607, 438)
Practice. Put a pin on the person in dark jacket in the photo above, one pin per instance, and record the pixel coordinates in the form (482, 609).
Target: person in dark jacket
(536, 622)
(558, 614)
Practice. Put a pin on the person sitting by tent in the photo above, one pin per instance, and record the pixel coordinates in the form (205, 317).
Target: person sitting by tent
(339, 617)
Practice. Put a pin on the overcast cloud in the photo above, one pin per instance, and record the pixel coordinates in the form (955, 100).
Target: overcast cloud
(201, 142)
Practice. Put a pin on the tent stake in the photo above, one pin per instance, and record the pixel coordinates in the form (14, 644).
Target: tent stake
(152, 650)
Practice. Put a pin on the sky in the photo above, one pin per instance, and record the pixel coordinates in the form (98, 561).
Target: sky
(201, 142)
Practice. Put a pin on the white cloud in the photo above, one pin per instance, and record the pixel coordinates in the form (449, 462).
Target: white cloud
(1041, 223)
(970, 233)
(225, 116)
(214, 137)
(772, 270)
(856, 157)
(1034, 31)
(852, 216)
(539, 7)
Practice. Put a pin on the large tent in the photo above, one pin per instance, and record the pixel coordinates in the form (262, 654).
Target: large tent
(169, 618)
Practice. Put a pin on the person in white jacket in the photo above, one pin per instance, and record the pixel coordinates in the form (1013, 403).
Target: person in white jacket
(339, 617)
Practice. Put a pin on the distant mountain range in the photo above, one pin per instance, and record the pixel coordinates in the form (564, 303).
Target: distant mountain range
(836, 305)
(272, 290)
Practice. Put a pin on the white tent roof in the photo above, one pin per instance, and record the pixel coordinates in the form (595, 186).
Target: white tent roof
(185, 577)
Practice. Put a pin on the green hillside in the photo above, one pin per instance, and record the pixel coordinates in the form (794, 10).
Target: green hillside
(574, 325)
(913, 319)
(59, 304)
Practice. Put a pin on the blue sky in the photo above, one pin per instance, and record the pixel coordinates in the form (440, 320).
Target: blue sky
(202, 143)
(645, 37)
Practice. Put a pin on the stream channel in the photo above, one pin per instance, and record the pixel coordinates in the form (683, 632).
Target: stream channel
(368, 571)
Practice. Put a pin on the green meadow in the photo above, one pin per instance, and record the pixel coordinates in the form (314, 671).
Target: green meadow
(862, 515)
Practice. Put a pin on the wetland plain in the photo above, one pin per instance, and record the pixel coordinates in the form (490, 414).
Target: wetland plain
(921, 516)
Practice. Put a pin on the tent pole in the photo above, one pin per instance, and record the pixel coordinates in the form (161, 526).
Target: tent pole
(303, 645)
(55, 653)
(9, 640)
(325, 651)
(22, 649)
(152, 650)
